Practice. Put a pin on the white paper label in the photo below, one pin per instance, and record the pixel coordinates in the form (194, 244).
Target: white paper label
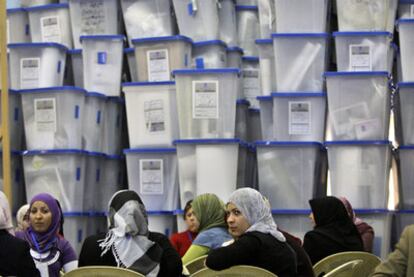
(154, 116)
(92, 17)
(300, 118)
(205, 100)
(251, 83)
(343, 119)
(50, 28)
(158, 65)
(412, 11)
(45, 114)
(151, 173)
(367, 129)
(360, 57)
(29, 72)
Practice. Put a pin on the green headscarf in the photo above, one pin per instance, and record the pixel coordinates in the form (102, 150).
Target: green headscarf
(209, 210)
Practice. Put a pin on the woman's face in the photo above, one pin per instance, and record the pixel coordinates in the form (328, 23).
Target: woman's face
(191, 221)
(40, 217)
(236, 221)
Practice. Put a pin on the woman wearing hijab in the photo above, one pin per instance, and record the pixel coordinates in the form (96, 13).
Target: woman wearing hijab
(15, 259)
(365, 231)
(128, 243)
(22, 218)
(257, 240)
(50, 252)
(333, 232)
(209, 211)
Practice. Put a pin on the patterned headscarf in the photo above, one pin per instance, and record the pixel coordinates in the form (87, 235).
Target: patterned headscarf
(43, 242)
(256, 210)
(5, 214)
(209, 211)
(127, 237)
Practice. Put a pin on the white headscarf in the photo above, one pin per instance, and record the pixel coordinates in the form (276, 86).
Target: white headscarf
(256, 210)
(5, 214)
(20, 216)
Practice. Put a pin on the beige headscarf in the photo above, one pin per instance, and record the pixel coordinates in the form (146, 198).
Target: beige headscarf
(5, 214)
(20, 216)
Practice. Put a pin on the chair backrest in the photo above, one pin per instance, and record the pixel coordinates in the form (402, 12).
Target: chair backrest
(196, 264)
(102, 271)
(370, 261)
(235, 271)
(348, 269)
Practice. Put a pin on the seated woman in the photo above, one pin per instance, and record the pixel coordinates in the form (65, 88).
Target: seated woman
(333, 230)
(14, 253)
(182, 241)
(128, 243)
(50, 252)
(209, 211)
(365, 230)
(22, 218)
(257, 240)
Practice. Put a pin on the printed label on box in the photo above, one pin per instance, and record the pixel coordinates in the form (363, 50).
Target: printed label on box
(158, 65)
(92, 17)
(151, 173)
(251, 83)
(360, 57)
(205, 100)
(154, 116)
(343, 119)
(300, 118)
(50, 29)
(367, 129)
(29, 72)
(45, 114)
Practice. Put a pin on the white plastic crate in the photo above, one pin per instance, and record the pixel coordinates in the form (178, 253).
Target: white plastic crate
(112, 180)
(207, 165)
(405, 9)
(254, 128)
(77, 66)
(36, 65)
(359, 105)
(209, 54)
(147, 18)
(266, 117)
(51, 23)
(60, 173)
(289, 172)
(112, 129)
(359, 170)
(31, 3)
(267, 19)
(406, 177)
(301, 16)
(228, 23)
(300, 61)
(267, 66)
(206, 102)
(406, 39)
(93, 125)
(93, 181)
(102, 63)
(193, 17)
(53, 117)
(248, 28)
(161, 221)
(157, 57)
(299, 116)
(151, 113)
(17, 26)
(246, 2)
(16, 124)
(242, 106)
(75, 229)
(363, 51)
(404, 104)
(250, 75)
(234, 56)
(295, 222)
(132, 64)
(13, 4)
(152, 173)
(93, 17)
(370, 15)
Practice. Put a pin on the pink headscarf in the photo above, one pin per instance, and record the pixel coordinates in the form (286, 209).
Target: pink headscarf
(350, 211)
(5, 214)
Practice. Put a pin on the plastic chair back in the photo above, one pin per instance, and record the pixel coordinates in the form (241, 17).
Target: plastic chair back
(370, 261)
(102, 271)
(235, 271)
(196, 264)
(347, 269)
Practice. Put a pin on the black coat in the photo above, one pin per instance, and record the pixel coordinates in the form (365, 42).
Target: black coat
(170, 264)
(15, 259)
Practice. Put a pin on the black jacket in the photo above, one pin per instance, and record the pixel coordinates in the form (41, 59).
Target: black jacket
(15, 259)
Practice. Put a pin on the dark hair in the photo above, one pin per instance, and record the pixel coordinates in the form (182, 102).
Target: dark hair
(187, 207)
